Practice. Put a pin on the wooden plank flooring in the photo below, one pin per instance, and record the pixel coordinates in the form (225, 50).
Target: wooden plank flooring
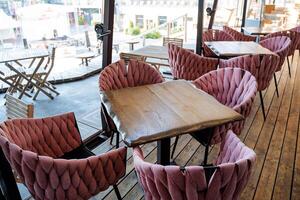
(275, 141)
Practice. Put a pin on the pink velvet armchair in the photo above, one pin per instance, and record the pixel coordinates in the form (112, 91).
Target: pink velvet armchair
(238, 36)
(117, 76)
(233, 87)
(214, 35)
(279, 45)
(297, 29)
(262, 67)
(187, 65)
(38, 150)
(229, 175)
(295, 41)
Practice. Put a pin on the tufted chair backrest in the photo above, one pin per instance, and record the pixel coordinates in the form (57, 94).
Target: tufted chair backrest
(230, 86)
(233, 87)
(214, 35)
(238, 36)
(51, 136)
(117, 75)
(32, 148)
(279, 45)
(262, 67)
(297, 29)
(188, 65)
(293, 35)
(233, 169)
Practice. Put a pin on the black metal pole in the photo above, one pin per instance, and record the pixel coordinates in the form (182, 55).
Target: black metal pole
(163, 151)
(8, 185)
(212, 17)
(199, 27)
(244, 14)
(108, 25)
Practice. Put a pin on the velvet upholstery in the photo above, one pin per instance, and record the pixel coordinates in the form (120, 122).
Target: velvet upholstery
(234, 166)
(279, 45)
(293, 35)
(262, 67)
(214, 35)
(238, 36)
(33, 148)
(233, 87)
(117, 75)
(187, 65)
(297, 29)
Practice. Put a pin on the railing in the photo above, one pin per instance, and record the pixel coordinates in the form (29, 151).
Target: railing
(168, 27)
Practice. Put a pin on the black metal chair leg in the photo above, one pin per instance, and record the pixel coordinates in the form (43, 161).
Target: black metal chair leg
(117, 192)
(112, 137)
(262, 104)
(117, 140)
(276, 85)
(174, 147)
(289, 66)
(8, 185)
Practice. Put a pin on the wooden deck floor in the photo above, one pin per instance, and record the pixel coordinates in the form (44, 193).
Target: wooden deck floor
(275, 141)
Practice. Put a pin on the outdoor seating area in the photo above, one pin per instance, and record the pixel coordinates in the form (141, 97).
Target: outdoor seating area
(166, 118)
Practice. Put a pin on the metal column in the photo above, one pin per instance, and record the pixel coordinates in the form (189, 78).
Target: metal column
(199, 27)
(244, 14)
(109, 25)
(212, 16)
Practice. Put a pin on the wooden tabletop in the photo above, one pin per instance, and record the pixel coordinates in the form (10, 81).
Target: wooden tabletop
(22, 54)
(153, 112)
(159, 52)
(133, 42)
(88, 54)
(236, 48)
(264, 30)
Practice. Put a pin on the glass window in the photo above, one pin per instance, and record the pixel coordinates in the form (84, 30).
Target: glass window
(162, 20)
(139, 21)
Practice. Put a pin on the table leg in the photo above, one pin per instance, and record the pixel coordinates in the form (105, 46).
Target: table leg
(86, 62)
(31, 77)
(163, 151)
(131, 47)
(204, 137)
(31, 63)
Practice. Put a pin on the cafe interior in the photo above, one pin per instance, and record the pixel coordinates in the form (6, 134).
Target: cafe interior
(213, 117)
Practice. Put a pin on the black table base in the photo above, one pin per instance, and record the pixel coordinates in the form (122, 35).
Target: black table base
(163, 151)
(164, 145)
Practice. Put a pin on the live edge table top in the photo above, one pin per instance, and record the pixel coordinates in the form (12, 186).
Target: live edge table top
(153, 112)
(236, 48)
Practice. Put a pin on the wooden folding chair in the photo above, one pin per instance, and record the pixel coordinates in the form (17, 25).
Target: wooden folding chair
(17, 108)
(42, 75)
(14, 82)
(127, 56)
(176, 41)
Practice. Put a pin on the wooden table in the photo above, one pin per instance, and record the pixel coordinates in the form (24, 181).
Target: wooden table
(16, 56)
(85, 56)
(131, 44)
(155, 55)
(225, 49)
(159, 112)
(263, 30)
